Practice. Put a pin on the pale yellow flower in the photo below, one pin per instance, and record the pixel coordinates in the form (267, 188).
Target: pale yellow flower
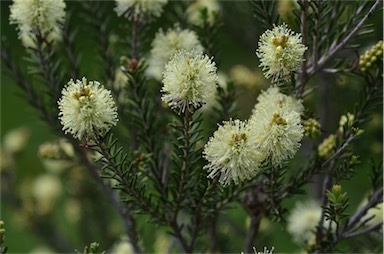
(137, 8)
(194, 10)
(38, 16)
(302, 221)
(277, 123)
(189, 80)
(165, 45)
(232, 153)
(87, 109)
(280, 52)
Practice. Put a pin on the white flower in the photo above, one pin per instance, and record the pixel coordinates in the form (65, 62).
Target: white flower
(166, 44)
(277, 125)
(46, 189)
(189, 79)
(87, 109)
(303, 220)
(16, 140)
(274, 96)
(280, 52)
(232, 153)
(43, 16)
(123, 247)
(194, 9)
(136, 8)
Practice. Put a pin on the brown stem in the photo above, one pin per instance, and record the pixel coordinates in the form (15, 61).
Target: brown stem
(251, 234)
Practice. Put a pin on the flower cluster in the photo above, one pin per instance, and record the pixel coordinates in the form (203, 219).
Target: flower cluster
(312, 128)
(194, 11)
(189, 79)
(325, 149)
(371, 56)
(276, 119)
(166, 44)
(136, 8)
(43, 17)
(346, 120)
(280, 52)
(303, 220)
(87, 109)
(238, 149)
(232, 153)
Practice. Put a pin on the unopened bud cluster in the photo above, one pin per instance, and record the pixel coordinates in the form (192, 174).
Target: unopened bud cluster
(312, 128)
(326, 147)
(371, 56)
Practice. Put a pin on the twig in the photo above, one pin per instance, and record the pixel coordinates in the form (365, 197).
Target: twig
(375, 227)
(303, 30)
(335, 48)
(125, 216)
(376, 198)
(252, 232)
(70, 52)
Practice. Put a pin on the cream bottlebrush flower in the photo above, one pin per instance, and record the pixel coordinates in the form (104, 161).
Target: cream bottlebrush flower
(302, 221)
(189, 79)
(166, 44)
(45, 16)
(232, 153)
(194, 9)
(277, 123)
(46, 189)
(280, 52)
(274, 96)
(87, 109)
(137, 8)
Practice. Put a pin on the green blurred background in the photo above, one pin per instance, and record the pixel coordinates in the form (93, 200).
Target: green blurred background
(95, 220)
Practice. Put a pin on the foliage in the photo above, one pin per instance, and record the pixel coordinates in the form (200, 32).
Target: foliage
(149, 169)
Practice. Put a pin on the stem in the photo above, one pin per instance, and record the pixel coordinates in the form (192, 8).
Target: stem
(375, 227)
(376, 198)
(336, 47)
(303, 29)
(127, 219)
(68, 42)
(185, 127)
(30, 93)
(44, 65)
(135, 38)
(252, 232)
(212, 235)
(326, 185)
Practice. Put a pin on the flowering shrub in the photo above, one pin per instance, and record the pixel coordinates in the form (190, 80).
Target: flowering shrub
(192, 126)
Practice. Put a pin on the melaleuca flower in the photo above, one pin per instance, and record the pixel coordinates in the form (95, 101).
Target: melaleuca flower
(280, 52)
(194, 11)
(137, 8)
(277, 123)
(166, 44)
(232, 153)
(87, 109)
(189, 79)
(45, 17)
(274, 96)
(303, 220)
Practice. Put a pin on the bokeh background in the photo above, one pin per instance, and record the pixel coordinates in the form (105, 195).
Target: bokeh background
(76, 212)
